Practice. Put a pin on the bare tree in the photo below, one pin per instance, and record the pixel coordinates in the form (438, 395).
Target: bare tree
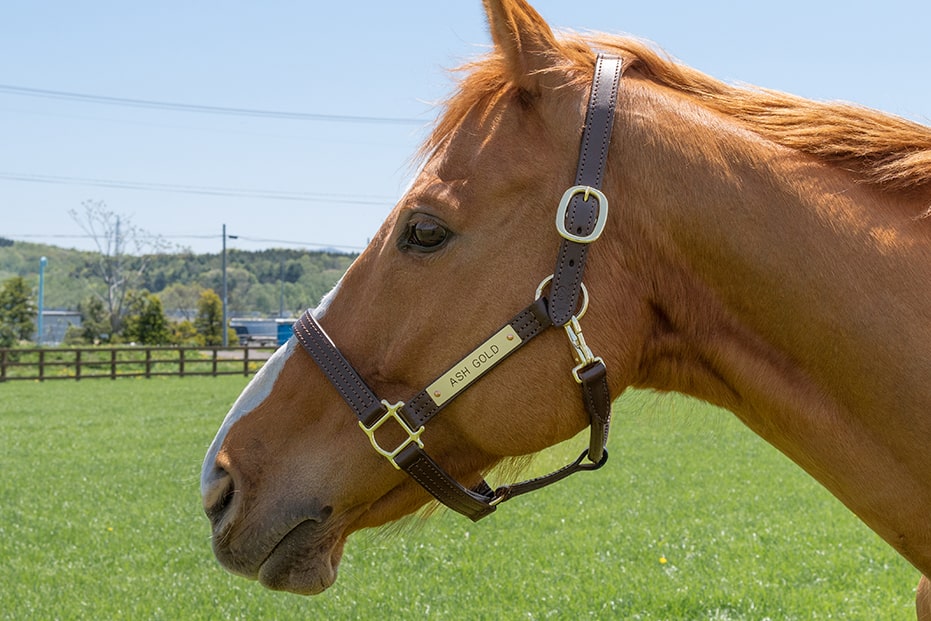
(124, 253)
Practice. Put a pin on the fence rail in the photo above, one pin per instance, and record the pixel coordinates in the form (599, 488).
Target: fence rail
(112, 362)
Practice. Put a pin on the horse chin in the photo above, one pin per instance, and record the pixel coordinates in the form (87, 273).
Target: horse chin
(302, 562)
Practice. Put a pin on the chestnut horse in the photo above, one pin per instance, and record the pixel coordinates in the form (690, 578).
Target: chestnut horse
(762, 252)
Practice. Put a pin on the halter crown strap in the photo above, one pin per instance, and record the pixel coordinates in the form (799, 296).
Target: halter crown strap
(586, 209)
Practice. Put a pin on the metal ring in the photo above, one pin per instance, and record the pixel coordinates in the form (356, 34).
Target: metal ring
(549, 278)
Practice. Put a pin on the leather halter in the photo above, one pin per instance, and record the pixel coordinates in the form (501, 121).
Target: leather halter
(580, 220)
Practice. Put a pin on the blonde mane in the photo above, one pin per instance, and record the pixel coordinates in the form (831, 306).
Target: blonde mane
(889, 152)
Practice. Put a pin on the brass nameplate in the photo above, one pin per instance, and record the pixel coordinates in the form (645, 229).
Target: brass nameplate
(473, 366)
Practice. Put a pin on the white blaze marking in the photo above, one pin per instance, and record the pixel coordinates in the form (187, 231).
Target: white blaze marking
(254, 394)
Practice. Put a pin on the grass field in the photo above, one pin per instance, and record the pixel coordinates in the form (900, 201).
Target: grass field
(693, 517)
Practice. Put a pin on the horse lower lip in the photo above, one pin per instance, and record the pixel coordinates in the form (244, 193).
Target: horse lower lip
(302, 562)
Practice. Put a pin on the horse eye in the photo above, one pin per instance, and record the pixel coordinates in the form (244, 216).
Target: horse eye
(426, 235)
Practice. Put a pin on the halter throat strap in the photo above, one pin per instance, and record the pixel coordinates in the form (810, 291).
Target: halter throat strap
(580, 219)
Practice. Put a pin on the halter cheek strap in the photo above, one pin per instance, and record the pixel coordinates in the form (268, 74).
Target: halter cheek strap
(580, 219)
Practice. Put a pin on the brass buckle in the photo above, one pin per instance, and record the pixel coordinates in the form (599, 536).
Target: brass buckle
(564, 207)
(412, 436)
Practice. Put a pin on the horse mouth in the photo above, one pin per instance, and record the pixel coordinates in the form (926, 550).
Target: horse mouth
(303, 562)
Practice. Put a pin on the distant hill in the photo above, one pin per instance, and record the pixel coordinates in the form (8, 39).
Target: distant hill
(256, 280)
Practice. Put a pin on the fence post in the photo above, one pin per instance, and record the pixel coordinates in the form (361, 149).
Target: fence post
(113, 364)
(215, 352)
(245, 362)
(77, 365)
(148, 363)
(41, 365)
(181, 361)
(2, 365)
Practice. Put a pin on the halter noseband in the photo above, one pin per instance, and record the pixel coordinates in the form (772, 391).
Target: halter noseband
(580, 220)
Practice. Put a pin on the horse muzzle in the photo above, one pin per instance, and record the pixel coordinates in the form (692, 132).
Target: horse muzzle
(294, 547)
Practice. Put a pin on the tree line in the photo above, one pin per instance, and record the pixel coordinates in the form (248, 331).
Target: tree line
(136, 288)
(142, 320)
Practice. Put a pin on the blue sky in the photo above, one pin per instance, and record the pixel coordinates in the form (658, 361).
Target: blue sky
(312, 183)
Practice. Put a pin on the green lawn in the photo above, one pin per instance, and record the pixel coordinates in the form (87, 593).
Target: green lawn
(693, 517)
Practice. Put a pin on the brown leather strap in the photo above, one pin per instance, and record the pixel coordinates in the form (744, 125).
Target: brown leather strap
(369, 409)
(474, 504)
(481, 500)
(582, 214)
(506, 492)
(360, 398)
(527, 324)
(597, 399)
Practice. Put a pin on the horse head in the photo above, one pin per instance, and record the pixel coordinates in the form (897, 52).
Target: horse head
(290, 475)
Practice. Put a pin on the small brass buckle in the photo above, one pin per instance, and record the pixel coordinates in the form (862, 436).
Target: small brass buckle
(412, 436)
(564, 207)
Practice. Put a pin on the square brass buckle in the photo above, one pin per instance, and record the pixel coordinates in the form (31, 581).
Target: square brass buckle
(586, 191)
(392, 413)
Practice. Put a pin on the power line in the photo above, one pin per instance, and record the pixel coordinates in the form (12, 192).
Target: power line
(200, 190)
(201, 109)
(262, 240)
(258, 240)
(254, 240)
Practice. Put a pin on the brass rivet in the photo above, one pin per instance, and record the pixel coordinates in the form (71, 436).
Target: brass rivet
(436, 393)
(510, 337)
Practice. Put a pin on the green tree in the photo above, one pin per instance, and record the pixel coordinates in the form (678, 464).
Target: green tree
(17, 312)
(184, 333)
(145, 322)
(95, 321)
(74, 337)
(209, 320)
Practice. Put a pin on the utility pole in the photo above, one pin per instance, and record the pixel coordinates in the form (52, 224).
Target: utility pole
(226, 337)
(281, 296)
(40, 324)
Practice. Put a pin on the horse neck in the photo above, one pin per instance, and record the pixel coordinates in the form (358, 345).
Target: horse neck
(782, 289)
(783, 278)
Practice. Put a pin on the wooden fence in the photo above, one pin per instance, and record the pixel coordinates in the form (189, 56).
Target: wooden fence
(112, 362)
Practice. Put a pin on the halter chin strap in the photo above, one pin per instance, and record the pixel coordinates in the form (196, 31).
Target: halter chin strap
(580, 219)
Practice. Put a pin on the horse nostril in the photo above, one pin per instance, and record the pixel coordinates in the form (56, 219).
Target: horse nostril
(218, 494)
